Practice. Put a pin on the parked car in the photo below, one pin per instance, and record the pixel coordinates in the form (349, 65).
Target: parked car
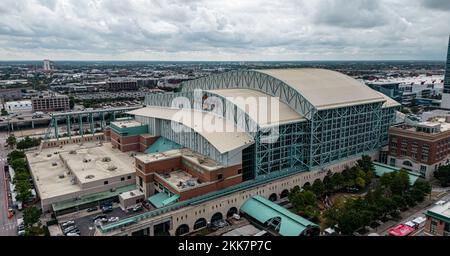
(68, 224)
(101, 216)
(21, 232)
(113, 219)
(92, 209)
(21, 227)
(137, 208)
(69, 229)
(73, 234)
(107, 209)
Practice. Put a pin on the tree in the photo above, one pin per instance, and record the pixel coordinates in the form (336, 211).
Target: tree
(318, 188)
(366, 164)
(328, 182)
(419, 190)
(397, 182)
(360, 182)
(21, 176)
(307, 186)
(23, 189)
(11, 141)
(443, 175)
(15, 155)
(31, 216)
(305, 203)
(338, 181)
(17, 163)
(4, 112)
(71, 102)
(28, 143)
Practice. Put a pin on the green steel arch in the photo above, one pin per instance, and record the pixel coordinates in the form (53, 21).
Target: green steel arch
(252, 79)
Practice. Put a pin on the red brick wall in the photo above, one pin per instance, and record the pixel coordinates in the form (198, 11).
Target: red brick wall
(210, 188)
(162, 166)
(421, 139)
(439, 227)
(125, 144)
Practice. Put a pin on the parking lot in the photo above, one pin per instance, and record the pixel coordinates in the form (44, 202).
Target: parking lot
(84, 220)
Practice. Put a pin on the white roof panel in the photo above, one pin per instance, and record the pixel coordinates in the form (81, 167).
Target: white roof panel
(252, 102)
(221, 133)
(326, 89)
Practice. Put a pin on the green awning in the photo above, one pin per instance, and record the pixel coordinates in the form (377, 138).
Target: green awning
(162, 199)
(263, 210)
(171, 200)
(157, 200)
(381, 169)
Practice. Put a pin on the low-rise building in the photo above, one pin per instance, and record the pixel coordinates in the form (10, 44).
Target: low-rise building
(10, 94)
(420, 148)
(182, 174)
(76, 176)
(18, 106)
(438, 220)
(121, 85)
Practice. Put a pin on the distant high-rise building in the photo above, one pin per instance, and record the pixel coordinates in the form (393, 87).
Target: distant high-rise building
(48, 65)
(446, 95)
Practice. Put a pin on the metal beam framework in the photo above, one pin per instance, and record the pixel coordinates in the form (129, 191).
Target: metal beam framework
(250, 79)
(328, 135)
(92, 117)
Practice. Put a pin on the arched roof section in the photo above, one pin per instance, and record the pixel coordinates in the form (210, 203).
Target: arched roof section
(305, 90)
(264, 210)
(252, 79)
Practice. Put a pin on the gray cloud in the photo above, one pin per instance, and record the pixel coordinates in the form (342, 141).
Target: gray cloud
(441, 5)
(223, 30)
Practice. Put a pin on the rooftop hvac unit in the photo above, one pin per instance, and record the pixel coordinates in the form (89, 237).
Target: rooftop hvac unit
(106, 159)
(112, 168)
(61, 176)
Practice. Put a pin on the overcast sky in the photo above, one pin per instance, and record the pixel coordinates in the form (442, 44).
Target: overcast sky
(224, 30)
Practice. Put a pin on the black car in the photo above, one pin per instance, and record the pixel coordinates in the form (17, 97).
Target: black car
(101, 216)
(107, 209)
(92, 209)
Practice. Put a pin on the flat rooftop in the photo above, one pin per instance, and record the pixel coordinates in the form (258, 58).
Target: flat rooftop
(54, 178)
(180, 180)
(126, 123)
(201, 160)
(441, 210)
(131, 194)
(98, 163)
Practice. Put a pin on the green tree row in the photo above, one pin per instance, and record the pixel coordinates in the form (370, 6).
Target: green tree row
(392, 194)
(31, 215)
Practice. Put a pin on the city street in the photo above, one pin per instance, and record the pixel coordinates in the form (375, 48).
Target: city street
(415, 212)
(7, 226)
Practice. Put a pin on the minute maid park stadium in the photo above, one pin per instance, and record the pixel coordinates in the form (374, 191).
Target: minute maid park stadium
(323, 117)
(272, 130)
